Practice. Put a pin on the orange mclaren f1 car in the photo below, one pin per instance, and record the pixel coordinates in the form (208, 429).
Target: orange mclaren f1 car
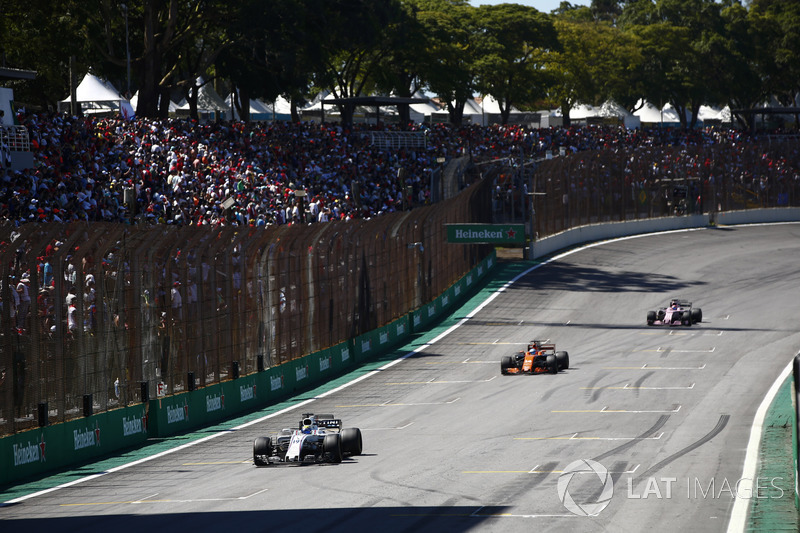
(540, 357)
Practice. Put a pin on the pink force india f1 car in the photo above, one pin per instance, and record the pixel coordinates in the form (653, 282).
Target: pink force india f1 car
(677, 313)
(318, 439)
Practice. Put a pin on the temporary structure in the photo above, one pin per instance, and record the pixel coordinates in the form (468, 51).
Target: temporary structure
(613, 110)
(97, 96)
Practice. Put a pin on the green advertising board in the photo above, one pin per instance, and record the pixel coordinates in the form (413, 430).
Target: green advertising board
(486, 233)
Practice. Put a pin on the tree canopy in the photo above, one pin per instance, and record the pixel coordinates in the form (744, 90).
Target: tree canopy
(684, 52)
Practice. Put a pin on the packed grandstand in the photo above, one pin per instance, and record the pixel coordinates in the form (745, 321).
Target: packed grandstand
(179, 171)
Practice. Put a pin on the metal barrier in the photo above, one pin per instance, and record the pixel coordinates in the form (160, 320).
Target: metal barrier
(15, 138)
(616, 185)
(111, 307)
(399, 139)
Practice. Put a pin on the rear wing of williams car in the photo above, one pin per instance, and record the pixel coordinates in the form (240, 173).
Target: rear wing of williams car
(323, 421)
(331, 423)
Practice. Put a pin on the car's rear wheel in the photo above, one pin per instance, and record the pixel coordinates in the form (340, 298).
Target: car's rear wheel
(505, 363)
(562, 358)
(651, 317)
(332, 445)
(552, 364)
(351, 441)
(262, 448)
(697, 315)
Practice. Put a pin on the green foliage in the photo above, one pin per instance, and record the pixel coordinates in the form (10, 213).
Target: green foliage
(687, 52)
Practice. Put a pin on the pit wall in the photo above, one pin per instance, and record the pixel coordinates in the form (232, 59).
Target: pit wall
(38, 451)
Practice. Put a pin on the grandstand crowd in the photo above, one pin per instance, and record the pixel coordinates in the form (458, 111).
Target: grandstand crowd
(179, 171)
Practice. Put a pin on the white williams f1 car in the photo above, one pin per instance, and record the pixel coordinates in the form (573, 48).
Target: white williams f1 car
(319, 439)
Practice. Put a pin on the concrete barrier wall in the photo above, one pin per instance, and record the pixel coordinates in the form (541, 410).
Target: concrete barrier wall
(610, 230)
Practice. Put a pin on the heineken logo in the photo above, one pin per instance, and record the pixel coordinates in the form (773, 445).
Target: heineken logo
(177, 413)
(247, 392)
(133, 426)
(30, 452)
(86, 438)
(215, 403)
(486, 233)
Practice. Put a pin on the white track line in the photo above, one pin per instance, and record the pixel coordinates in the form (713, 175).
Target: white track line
(741, 506)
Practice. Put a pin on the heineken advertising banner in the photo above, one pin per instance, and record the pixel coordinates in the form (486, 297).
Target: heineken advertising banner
(486, 233)
(36, 451)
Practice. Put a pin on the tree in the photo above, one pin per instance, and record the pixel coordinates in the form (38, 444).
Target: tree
(400, 71)
(512, 42)
(776, 28)
(681, 40)
(452, 50)
(595, 62)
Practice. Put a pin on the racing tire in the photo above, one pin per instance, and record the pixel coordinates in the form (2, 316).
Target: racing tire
(697, 315)
(351, 441)
(562, 358)
(333, 445)
(686, 319)
(651, 318)
(552, 364)
(262, 448)
(505, 363)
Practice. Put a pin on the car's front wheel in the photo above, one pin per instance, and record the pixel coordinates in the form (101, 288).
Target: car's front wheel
(332, 445)
(262, 448)
(505, 363)
(351, 441)
(562, 358)
(552, 364)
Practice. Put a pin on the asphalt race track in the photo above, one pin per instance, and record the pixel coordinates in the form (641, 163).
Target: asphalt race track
(664, 414)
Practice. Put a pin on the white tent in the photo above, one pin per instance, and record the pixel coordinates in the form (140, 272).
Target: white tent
(422, 112)
(583, 111)
(258, 110)
(208, 100)
(98, 96)
(713, 113)
(612, 109)
(650, 114)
